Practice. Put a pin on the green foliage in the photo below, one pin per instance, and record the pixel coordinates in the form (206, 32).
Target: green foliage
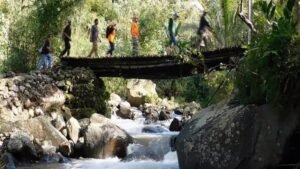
(29, 23)
(272, 59)
(205, 89)
(116, 85)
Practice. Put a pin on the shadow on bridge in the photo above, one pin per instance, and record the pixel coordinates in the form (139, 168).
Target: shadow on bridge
(154, 67)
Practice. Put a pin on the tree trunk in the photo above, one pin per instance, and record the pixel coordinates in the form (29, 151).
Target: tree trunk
(298, 14)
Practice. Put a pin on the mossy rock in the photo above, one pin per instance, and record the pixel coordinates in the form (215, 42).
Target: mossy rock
(83, 113)
(83, 90)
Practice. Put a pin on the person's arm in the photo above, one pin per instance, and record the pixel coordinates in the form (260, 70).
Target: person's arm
(67, 36)
(98, 37)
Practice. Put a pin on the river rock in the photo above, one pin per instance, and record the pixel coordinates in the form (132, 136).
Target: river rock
(125, 111)
(20, 144)
(138, 90)
(98, 118)
(13, 114)
(40, 128)
(175, 125)
(191, 108)
(53, 96)
(164, 115)
(59, 122)
(154, 129)
(66, 148)
(114, 100)
(151, 114)
(73, 128)
(240, 137)
(105, 140)
(8, 160)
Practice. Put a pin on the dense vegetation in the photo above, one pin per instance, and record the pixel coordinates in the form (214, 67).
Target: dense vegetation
(270, 66)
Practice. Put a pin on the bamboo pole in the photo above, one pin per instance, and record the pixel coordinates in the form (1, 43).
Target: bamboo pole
(250, 12)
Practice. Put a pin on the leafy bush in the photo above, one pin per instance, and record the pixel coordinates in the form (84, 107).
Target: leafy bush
(272, 60)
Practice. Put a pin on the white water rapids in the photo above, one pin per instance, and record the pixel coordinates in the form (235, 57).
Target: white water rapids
(153, 145)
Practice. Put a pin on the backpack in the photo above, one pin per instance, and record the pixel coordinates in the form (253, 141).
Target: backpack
(109, 30)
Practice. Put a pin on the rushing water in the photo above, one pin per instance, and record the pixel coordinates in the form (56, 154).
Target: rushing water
(150, 150)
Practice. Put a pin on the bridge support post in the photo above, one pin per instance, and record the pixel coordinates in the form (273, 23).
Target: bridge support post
(250, 12)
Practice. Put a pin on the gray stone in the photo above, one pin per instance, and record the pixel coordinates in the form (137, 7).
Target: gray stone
(48, 148)
(21, 144)
(234, 137)
(66, 148)
(124, 110)
(105, 140)
(73, 128)
(114, 100)
(164, 115)
(22, 88)
(59, 122)
(138, 90)
(39, 128)
(98, 118)
(175, 125)
(27, 104)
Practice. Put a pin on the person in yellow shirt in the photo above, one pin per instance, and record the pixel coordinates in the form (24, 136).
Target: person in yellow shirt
(135, 34)
(110, 35)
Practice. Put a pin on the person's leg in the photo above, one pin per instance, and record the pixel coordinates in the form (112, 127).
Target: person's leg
(41, 62)
(92, 50)
(48, 61)
(112, 48)
(135, 47)
(96, 48)
(68, 46)
(65, 50)
(109, 52)
(174, 40)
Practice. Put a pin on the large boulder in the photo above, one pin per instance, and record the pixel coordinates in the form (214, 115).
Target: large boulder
(241, 137)
(139, 90)
(114, 100)
(73, 128)
(105, 139)
(40, 128)
(21, 145)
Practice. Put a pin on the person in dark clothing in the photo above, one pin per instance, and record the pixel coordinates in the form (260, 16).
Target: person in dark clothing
(203, 30)
(67, 38)
(46, 58)
(172, 29)
(94, 38)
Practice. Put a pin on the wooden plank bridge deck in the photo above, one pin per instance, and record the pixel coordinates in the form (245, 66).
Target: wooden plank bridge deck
(153, 67)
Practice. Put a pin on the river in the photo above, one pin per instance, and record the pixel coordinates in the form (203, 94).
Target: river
(149, 151)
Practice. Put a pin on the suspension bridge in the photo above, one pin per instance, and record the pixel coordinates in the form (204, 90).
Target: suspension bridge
(156, 67)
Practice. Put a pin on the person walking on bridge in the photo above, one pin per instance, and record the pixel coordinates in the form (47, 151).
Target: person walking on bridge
(67, 38)
(135, 34)
(172, 29)
(94, 38)
(203, 31)
(110, 35)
